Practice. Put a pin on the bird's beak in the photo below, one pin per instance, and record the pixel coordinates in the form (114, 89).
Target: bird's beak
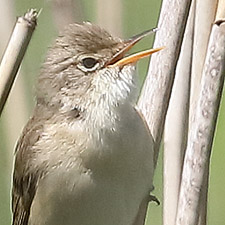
(119, 60)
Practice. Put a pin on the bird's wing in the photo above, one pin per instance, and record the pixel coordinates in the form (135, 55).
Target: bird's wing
(144, 120)
(141, 215)
(147, 128)
(24, 179)
(21, 201)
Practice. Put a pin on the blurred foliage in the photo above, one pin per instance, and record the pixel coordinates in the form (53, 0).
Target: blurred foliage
(137, 16)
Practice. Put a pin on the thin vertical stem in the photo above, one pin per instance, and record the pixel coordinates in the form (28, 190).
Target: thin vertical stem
(202, 129)
(14, 53)
(176, 127)
(154, 99)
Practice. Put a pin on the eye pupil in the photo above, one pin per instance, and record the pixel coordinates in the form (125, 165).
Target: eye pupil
(89, 62)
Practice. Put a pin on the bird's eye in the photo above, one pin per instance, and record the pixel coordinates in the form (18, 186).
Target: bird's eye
(89, 63)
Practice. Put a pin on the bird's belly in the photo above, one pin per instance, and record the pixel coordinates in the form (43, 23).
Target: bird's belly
(89, 199)
(108, 191)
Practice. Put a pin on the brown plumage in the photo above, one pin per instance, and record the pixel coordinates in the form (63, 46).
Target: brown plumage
(86, 155)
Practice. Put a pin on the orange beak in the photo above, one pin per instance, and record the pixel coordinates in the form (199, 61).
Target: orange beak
(119, 60)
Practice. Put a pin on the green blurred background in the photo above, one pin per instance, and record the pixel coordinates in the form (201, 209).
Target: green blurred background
(124, 18)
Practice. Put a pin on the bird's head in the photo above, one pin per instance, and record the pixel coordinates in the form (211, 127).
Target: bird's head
(86, 66)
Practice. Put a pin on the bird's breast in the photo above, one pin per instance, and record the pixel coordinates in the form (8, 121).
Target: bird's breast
(103, 177)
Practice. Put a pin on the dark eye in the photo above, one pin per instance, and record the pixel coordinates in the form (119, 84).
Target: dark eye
(89, 62)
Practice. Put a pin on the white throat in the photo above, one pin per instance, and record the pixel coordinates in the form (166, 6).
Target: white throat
(112, 91)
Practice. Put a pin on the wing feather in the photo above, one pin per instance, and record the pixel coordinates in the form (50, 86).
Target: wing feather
(24, 179)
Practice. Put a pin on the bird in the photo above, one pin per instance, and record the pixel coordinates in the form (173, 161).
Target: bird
(85, 157)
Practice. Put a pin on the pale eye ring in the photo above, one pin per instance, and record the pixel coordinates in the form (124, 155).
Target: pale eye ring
(89, 64)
